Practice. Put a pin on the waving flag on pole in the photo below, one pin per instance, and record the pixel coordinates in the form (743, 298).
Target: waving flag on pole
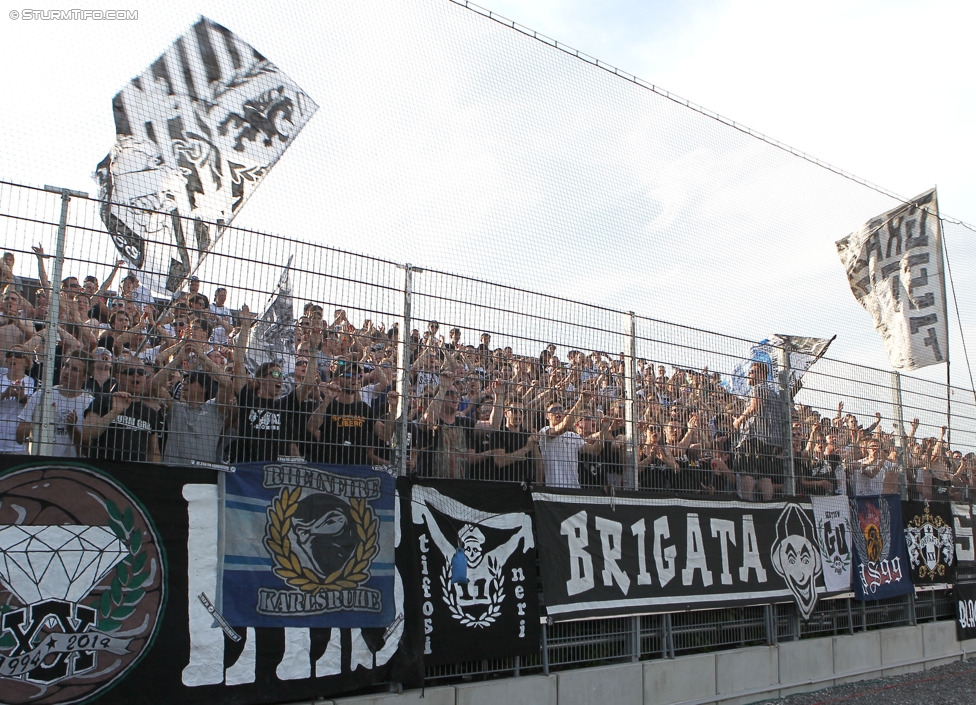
(895, 269)
(196, 134)
(804, 351)
(273, 337)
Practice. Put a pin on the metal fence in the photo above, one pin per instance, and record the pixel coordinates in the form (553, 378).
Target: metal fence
(651, 395)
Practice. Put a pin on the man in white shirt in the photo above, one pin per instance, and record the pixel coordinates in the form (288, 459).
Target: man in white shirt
(560, 446)
(16, 389)
(68, 401)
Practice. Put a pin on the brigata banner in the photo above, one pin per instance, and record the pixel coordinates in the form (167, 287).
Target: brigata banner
(628, 554)
(492, 611)
(307, 545)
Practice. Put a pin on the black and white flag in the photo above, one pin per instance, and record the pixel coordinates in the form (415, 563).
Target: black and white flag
(606, 556)
(895, 269)
(196, 133)
(495, 613)
(273, 336)
(834, 537)
(930, 541)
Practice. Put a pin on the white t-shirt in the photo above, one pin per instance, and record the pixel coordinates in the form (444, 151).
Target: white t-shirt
(219, 334)
(64, 446)
(10, 410)
(865, 486)
(560, 458)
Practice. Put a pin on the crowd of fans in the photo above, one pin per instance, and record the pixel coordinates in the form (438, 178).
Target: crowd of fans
(138, 379)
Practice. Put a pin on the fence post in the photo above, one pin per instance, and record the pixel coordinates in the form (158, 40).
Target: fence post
(787, 392)
(899, 410)
(402, 449)
(545, 648)
(635, 653)
(630, 408)
(668, 636)
(47, 420)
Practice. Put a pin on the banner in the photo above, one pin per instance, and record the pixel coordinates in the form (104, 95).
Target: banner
(881, 567)
(930, 541)
(495, 613)
(832, 516)
(109, 578)
(197, 133)
(965, 610)
(895, 269)
(628, 554)
(307, 545)
(962, 528)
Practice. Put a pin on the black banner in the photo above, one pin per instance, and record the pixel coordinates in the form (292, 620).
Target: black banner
(495, 614)
(930, 541)
(965, 611)
(108, 593)
(962, 527)
(628, 554)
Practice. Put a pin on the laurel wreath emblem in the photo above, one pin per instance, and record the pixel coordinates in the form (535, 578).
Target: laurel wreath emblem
(289, 568)
(496, 594)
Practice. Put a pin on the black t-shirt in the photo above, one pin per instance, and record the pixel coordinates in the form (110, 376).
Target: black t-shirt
(482, 468)
(127, 437)
(347, 435)
(593, 469)
(265, 427)
(433, 442)
(825, 469)
(512, 440)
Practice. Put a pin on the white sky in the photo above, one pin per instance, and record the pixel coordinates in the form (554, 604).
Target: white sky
(449, 141)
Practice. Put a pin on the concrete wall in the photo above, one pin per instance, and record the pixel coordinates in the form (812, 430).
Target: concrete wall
(733, 677)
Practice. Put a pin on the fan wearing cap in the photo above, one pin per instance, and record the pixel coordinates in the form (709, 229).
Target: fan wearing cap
(342, 426)
(125, 424)
(267, 422)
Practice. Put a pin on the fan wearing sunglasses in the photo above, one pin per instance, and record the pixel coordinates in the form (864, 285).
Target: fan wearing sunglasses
(125, 425)
(268, 423)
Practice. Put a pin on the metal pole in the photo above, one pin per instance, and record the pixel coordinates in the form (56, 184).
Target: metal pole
(630, 407)
(635, 652)
(784, 383)
(545, 648)
(48, 415)
(900, 436)
(402, 449)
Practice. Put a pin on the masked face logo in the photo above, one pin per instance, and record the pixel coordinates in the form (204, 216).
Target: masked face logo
(796, 559)
(324, 531)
